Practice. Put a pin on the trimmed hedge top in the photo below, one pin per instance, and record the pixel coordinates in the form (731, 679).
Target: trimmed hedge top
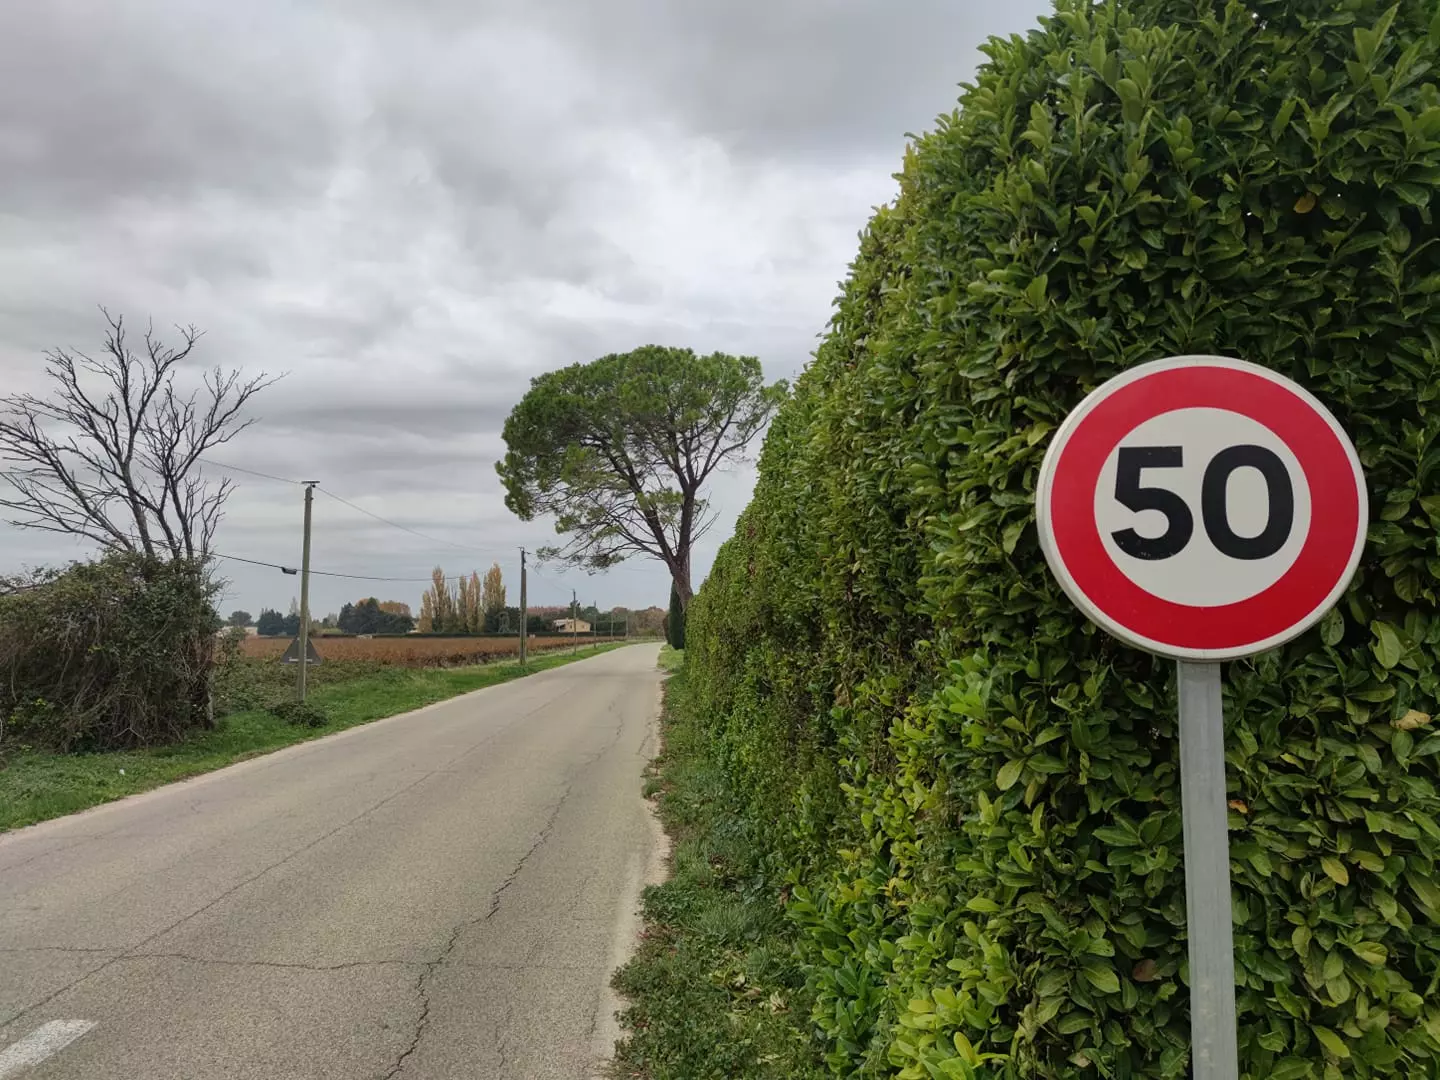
(971, 791)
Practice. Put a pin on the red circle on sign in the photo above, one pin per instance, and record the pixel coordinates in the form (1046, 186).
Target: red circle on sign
(1088, 572)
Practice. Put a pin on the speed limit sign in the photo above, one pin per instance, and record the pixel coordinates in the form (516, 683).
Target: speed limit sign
(1202, 508)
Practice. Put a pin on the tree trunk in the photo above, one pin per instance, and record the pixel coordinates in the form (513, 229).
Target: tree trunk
(680, 573)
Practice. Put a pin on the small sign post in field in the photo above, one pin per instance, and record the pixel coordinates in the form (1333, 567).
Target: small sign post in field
(292, 654)
(1203, 509)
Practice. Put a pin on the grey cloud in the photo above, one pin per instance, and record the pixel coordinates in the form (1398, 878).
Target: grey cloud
(829, 79)
(413, 208)
(388, 414)
(105, 102)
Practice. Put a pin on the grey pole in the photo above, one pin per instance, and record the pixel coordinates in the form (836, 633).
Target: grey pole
(574, 629)
(524, 619)
(1214, 1053)
(305, 591)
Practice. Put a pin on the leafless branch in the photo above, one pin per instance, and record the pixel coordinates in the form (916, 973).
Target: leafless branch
(113, 453)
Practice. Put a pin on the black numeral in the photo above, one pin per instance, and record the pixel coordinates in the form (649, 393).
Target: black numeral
(1214, 511)
(1180, 523)
(1215, 514)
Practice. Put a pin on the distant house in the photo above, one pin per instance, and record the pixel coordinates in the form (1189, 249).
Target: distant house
(250, 631)
(570, 626)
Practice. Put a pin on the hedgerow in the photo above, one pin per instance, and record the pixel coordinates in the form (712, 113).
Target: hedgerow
(108, 655)
(969, 795)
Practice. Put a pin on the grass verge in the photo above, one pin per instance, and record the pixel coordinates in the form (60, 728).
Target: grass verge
(671, 659)
(37, 785)
(713, 992)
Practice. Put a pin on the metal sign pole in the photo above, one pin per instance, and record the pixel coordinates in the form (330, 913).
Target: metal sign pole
(1214, 1054)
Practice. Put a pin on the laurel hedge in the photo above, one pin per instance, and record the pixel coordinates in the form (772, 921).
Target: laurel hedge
(968, 795)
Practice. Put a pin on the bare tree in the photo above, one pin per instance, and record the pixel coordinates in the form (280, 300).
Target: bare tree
(114, 453)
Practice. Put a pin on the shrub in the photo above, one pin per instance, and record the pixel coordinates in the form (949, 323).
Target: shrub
(300, 713)
(107, 655)
(971, 791)
(675, 621)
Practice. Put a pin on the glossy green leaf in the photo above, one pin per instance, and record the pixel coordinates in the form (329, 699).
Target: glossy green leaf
(1335, 870)
(1386, 646)
(1332, 1042)
(1008, 774)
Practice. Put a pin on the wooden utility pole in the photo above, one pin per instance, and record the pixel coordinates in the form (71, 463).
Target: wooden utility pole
(574, 624)
(304, 657)
(524, 618)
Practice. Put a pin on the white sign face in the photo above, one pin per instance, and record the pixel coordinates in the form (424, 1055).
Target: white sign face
(1200, 573)
(1202, 508)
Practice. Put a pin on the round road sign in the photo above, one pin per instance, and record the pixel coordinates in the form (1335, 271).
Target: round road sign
(1202, 508)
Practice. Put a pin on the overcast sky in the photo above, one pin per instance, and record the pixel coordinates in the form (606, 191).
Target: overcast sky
(414, 206)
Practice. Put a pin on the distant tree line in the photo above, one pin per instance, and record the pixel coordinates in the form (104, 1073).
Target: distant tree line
(272, 624)
(371, 616)
(470, 606)
(367, 616)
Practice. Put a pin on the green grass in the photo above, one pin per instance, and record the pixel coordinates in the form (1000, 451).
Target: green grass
(714, 992)
(37, 785)
(671, 659)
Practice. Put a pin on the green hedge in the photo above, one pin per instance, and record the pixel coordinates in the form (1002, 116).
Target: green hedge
(968, 794)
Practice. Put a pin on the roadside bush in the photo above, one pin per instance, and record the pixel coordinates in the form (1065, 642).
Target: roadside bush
(675, 621)
(968, 793)
(714, 991)
(300, 713)
(108, 655)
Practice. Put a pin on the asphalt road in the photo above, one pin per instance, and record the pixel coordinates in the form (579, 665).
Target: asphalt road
(441, 894)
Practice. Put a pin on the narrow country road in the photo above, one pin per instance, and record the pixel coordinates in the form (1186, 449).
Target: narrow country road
(442, 894)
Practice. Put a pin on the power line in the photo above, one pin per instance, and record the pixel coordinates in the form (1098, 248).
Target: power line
(384, 521)
(251, 472)
(356, 507)
(407, 529)
(322, 573)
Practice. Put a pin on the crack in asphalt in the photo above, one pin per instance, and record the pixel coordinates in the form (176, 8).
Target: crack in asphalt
(224, 895)
(83, 950)
(62, 847)
(122, 956)
(284, 965)
(272, 866)
(500, 1046)
(422, 984)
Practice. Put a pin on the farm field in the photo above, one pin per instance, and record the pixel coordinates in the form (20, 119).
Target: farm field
(417, 652)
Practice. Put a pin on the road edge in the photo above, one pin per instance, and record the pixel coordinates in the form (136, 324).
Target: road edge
(653, 868)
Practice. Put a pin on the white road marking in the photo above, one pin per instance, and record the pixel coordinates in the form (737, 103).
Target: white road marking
(40, 1044)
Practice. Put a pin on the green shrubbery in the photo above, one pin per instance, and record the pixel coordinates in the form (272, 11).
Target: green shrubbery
(971, 792)
(108, 655)
(300, 713)
(714, 991)
(675, 621)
